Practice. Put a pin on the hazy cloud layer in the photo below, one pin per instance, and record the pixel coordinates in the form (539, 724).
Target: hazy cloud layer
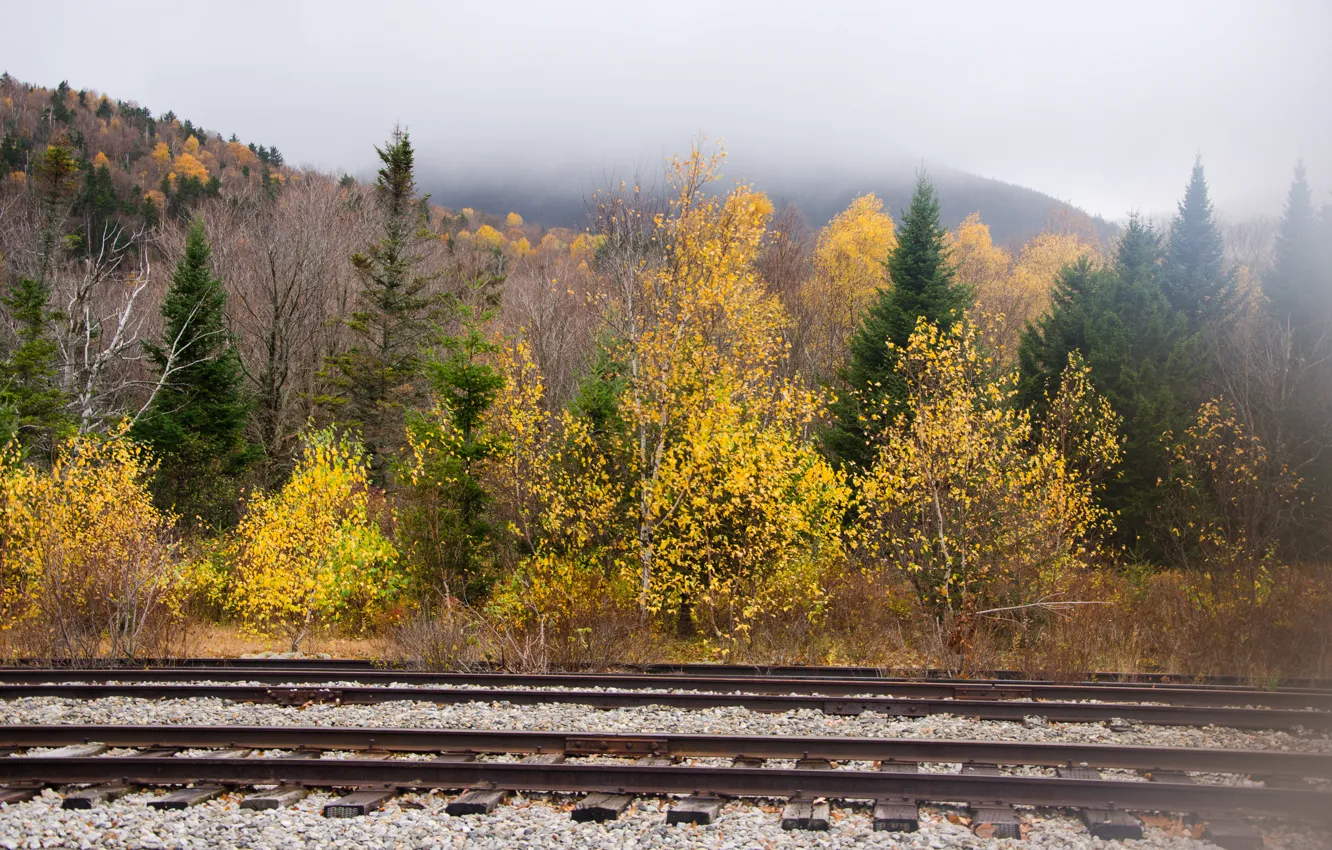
(1101, 104)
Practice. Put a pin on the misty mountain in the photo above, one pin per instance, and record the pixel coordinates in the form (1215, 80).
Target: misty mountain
(557, 198)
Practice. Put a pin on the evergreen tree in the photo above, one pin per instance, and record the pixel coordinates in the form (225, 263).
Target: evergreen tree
(1193, 275)
(60, 110)
(1143, 360)
(922, 286)
(57, 183)
(379, 376)
(1300, 283)
(451, 519)
(196, 421)
(97, 205)
(32, 406)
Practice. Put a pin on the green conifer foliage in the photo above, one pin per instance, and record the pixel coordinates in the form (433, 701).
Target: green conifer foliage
(32, 406)
(922, 285)
(1193, 274)
(196, 421)
(449, 518)
(380, 375)
(1143, 361)
(1299, 286)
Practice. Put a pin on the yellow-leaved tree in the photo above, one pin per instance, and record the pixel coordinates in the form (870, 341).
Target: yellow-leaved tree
(718, 507)
(975, 504)
(1009, 302)
(88, 564)
(848, 270)
(977, 261)
(188, 166)
(311, 556)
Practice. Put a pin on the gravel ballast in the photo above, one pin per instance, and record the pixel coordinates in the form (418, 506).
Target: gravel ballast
(535, 823)
(543, 821)
(726, 720)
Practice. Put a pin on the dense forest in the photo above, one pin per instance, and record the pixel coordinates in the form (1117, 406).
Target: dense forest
(237, 392)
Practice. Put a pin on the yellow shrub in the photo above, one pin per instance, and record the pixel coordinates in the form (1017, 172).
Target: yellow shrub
(87, 566)
(310, 556)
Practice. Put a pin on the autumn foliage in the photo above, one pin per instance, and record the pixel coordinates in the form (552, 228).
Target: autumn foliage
(697, 427)
(310, 556)
(88, 565)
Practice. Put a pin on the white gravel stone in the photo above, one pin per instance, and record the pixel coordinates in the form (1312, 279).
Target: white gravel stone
(563, 717)
(542, 821)
(535, 822)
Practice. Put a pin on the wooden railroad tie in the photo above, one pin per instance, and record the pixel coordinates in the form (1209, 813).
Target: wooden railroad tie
(604, 807)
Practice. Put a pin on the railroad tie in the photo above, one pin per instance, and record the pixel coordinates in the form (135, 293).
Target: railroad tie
(87, 798)
(803, 812)
(700, 809)
(275, 798)
(186, 797)
(999, 820)
(282, 795)
(604, 807)
(18, 793)
(73, 751)
(238, 753)
(362, 801)
(897, 814)
(806, 813)
(358, 803)
(483, 801)
(1105, 824)
(1233, 835)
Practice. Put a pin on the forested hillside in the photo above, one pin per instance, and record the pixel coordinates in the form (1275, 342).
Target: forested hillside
(1014, 213)
(237, 393)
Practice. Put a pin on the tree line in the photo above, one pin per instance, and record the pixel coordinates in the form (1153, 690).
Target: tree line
(349, 407)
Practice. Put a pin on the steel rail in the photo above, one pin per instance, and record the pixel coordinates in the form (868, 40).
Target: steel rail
(1064, 712)
(1252, 762)
(1178, 680)
(1166, 694)
(677, 779)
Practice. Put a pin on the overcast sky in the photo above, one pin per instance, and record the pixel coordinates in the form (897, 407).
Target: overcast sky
(1102, 104)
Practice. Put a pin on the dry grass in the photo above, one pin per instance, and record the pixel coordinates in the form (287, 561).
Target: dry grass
(1152, 622)
(220, 640)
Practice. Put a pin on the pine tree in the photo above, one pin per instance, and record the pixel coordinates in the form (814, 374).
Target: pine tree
(1300, 283)
(921, 286)
(1143, 360)
(1193, 275)
(32, 406)
(379, 376)
(196, 421)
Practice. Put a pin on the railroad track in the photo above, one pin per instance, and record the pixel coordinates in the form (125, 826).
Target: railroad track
(975, 705)
(1170, 694)
(720, 670)
(577, 763)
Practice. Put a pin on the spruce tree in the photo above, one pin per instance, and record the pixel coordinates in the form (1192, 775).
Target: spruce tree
(1193, 274)
(32, 405)
(1299, 286)
(196, 421)
(1143, 361)
(921, 286)
(380, 375)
